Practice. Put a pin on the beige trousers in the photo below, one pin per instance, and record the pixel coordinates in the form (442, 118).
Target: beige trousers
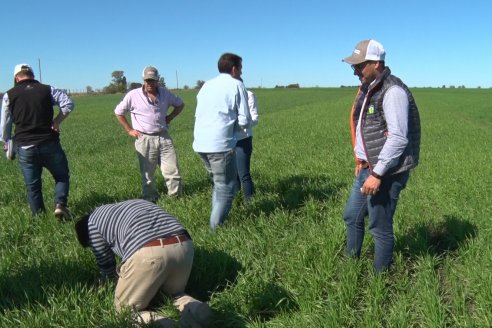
(153, 151)
(153, 269)
(159, 268)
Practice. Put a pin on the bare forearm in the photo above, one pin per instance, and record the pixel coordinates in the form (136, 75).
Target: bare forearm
(124, 123)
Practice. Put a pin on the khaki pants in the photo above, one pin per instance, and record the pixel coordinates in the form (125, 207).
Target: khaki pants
(166, 268)
(153, 151)
(150, 270)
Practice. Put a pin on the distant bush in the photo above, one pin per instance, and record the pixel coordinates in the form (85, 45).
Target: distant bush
(199, 84)
(135, 85)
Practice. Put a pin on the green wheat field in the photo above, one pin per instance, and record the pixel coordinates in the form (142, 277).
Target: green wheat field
(279, 262)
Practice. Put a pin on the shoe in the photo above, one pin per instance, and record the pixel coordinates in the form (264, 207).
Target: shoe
(150, 319)
(196, 315)
(61, 212)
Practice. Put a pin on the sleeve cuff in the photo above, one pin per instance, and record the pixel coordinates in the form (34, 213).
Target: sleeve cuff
(377, 172)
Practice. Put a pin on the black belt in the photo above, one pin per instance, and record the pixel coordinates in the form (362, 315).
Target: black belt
(154, 134)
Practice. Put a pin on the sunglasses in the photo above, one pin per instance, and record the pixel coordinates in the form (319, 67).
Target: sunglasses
(359, 67)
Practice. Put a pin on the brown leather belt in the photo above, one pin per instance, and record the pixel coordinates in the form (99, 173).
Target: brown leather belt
(167, 241)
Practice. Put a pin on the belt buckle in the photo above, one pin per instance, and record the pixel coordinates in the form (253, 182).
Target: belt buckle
(170, 240)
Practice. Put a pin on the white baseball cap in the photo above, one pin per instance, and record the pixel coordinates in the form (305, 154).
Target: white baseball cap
(366, 50)
(23, 68)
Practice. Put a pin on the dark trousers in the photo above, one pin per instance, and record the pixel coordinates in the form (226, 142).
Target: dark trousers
(244, 149)
(32, 160)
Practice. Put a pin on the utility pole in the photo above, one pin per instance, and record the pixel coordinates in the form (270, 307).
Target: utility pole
(177, 83)
(39, 68)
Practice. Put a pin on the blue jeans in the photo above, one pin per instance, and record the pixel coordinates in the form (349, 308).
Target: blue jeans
(32, 160)
(222, 169)
(381, 209)
(244, 149)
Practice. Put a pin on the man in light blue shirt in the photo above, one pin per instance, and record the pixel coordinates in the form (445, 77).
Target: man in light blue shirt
(221, 112)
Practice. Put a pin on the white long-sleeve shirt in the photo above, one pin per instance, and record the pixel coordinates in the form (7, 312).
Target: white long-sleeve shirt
(253, 112)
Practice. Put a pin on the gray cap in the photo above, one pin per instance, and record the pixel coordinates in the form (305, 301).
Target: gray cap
(150, 73)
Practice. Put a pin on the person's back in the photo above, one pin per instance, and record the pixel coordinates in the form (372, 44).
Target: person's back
(216, 114)
(222, 107)
(132, 223)
(32, 112)
(29, 106)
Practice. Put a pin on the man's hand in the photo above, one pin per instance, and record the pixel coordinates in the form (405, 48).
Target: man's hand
(134, 133)
(55, 127)
(371, 186)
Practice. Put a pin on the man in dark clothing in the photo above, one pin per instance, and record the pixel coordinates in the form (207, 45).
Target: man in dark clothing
(385, 127)
(156, 255)
(29, 106)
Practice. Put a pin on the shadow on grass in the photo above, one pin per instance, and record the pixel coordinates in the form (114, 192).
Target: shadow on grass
(215, 271)
(197, 186)
(295, 190)
(262, 302)
(92, 200)
(269, 300)
(21, 286)
(212, 272)
(436, 239)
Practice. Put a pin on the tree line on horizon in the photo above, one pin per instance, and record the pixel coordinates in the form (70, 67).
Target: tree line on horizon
(119, 84)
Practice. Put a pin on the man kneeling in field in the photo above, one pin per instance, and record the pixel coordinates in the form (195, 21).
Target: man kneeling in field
(156, 252)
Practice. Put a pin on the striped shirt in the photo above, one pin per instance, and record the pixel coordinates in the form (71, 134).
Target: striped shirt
(123, 228)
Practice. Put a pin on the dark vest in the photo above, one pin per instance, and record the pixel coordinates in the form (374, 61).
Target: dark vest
(31, 104)
(374, 128)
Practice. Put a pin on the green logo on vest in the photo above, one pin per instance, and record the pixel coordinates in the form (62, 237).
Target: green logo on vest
(371, 109)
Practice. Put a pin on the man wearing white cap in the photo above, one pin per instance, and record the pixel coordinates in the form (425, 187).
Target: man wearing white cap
(385, 127)
(148, 107)
(29, 106)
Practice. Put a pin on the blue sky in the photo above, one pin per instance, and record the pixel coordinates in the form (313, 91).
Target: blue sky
(80, 43)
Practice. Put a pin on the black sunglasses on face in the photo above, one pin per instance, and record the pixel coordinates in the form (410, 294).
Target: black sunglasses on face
(360, 67)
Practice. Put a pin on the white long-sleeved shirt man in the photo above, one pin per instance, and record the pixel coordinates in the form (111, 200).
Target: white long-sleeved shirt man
(222, 109)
